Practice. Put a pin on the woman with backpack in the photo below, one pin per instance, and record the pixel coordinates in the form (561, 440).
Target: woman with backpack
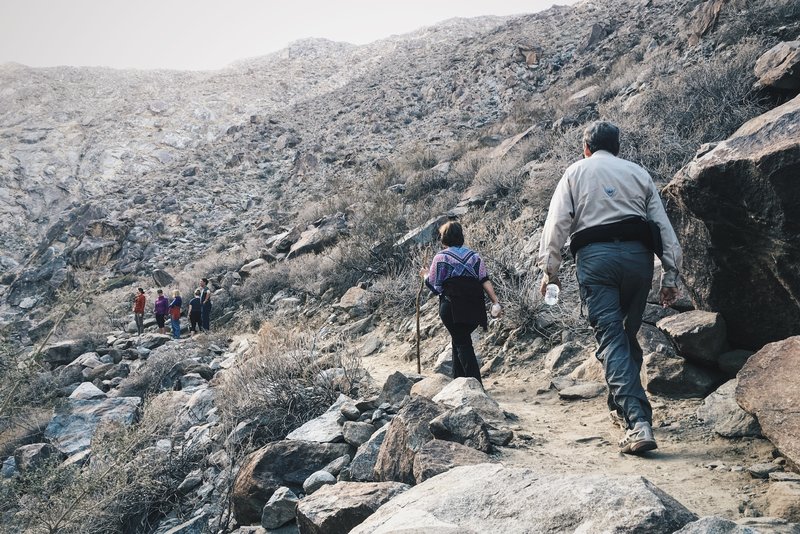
(458, 275)
(175, 313)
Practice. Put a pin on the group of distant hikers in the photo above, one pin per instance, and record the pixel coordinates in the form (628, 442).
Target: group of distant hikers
(611, 211)
(198, 310)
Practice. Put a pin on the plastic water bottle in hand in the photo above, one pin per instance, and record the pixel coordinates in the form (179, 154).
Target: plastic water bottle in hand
(551, 294)
(496, 310)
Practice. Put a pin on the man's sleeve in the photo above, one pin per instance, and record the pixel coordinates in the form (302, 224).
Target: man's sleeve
(672, 259)
(556, 228)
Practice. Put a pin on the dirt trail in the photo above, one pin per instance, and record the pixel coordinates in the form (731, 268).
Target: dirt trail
(703, 471)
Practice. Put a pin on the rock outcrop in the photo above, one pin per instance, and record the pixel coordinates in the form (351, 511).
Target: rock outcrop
(741, 196)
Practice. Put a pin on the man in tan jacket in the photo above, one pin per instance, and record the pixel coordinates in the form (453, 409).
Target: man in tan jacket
(611, 210)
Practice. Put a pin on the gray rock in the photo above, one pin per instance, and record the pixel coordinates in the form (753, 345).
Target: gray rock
(195, 410)
(87, 391)
(784, 476)
(468, 392)
(76, 421)
(463, 425)
(357, 433)
(423, 234)
(280, 509)
(162, 278)
(281, 463)
(517, 500)
(351, 412)
(444, 364)
(316, 480)
(396, 388)
(342, 507)
(363, 465)
(9, 468)
(769, 525)
(355, 301)
(714, 525)
(196, 525)
(721, 411)
(439, 456)
(64, 352)
(192, 481)
(700, 336)
(326, 427)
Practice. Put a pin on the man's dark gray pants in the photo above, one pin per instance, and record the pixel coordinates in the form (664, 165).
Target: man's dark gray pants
(615, 279)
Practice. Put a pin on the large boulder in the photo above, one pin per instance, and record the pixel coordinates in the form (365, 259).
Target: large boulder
(280, 463)
(720, 411)
(699, 335)
(563, 359)
(714, 525)
(342, 507)
(74, 423)
(406, 435)
(396, 388)
(64, 352)
(319, 235)
(29, 457)
(430, 386)
(438, 456)
(355, 301)
(741, 196)
(779, 67)
(463, 425)
(768, 388)
(519, 500)
(423, 234)
(280, 508)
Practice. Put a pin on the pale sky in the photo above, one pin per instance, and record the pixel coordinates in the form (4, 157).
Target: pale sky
(206, 34)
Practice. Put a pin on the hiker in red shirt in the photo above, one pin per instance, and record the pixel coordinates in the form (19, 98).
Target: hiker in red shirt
(138, 311)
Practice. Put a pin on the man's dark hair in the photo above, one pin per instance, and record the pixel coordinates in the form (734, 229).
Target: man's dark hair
(141, 290)
(205, 280)
(602, 135)
(451, 234)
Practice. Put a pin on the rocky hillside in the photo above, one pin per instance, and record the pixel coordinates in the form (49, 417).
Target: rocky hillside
(307, 185)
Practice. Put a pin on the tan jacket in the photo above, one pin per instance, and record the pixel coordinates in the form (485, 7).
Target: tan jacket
(599, 190)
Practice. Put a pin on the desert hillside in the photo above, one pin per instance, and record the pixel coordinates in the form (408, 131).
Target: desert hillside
(307, 186)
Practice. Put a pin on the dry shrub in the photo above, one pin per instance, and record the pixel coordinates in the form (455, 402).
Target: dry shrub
(127, 486)
(285, 382)
(501, 176)
(146, 380)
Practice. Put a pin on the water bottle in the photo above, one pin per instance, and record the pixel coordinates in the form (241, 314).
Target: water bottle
(496, 310)
(551, 294)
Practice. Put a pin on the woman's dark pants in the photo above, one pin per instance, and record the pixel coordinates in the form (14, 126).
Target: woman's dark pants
(464, 361)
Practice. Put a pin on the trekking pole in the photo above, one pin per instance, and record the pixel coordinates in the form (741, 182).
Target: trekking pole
(419, 297)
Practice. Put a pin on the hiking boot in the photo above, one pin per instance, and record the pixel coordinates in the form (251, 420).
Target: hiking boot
(617, 419)
(638, 440)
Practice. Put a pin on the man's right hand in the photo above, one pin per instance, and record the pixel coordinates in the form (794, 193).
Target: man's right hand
(548, 280)
(668, 296)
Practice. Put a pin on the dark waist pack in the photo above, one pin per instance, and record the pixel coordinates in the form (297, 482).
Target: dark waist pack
(630, 229)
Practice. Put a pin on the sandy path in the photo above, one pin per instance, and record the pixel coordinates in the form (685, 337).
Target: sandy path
(560, 436)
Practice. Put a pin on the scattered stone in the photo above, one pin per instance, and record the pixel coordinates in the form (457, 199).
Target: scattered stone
(64, 352)
(423, 234)
(280, 463)
(9, 468)
(162, 278)
(714, 525)
(342, 507)
(725, 416)
(563, 359)
(316, 480)
(784, 476)
(280, 509)
(74, 423)
(444, 363)
(511, 499)
(87, 391)
(28, 457)
(196, 525)
(350, 412)
(335, 467)
(192, 481)
(355, 301)
(763, 470)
